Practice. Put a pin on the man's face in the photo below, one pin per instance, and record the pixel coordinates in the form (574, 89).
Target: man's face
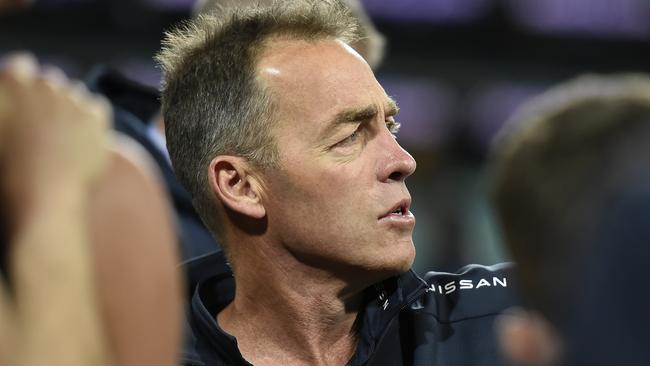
(338, 201)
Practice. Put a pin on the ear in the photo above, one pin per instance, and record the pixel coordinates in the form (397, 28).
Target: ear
(232, 181)
(527, 338)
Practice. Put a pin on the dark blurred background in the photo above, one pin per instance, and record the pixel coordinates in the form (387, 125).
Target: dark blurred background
(458, 69)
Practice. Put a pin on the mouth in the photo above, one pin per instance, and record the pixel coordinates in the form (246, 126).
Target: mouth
(400, 209)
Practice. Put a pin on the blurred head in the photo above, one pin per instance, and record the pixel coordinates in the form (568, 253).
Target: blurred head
(370, 43)
(566, 156)
(280, 130)
(9, 5)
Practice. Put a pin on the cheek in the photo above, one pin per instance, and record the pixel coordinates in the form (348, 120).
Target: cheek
(316, 182)
(331, 191)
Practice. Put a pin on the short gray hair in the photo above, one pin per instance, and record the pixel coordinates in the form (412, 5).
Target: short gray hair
(370, 44)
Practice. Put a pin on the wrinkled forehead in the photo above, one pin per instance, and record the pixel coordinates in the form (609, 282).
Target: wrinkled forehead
(313, 79)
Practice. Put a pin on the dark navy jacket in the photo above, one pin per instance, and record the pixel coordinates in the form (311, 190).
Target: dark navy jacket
(445, 319)
(135, 106)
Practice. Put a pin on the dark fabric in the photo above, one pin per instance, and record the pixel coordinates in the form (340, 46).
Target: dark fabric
(134, 107)
(610, 323)
(406, 320)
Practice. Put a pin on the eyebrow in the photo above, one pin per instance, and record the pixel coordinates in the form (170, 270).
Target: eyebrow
(357, 115)
(391, 107)
(354, 115)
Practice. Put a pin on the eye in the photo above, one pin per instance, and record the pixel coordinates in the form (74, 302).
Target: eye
(393, 126)
(351, 139)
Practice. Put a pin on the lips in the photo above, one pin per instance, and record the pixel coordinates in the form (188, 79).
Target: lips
(401, 208)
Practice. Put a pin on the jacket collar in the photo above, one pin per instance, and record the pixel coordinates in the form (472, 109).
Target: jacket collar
(384, 303)
(214, 288)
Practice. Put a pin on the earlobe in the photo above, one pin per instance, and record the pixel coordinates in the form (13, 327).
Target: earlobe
(233, 184)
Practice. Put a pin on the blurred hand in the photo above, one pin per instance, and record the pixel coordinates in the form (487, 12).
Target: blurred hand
(53, 134)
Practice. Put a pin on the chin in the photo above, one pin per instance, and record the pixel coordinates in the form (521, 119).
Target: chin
(406, 264)
(400, 260)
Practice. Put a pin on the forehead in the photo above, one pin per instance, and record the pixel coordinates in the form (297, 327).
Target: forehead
(311, 82)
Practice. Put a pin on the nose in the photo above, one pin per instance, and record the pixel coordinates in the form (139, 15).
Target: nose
(397, 164)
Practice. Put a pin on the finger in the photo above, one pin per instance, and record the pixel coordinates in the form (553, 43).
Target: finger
(78, 95)
(54, 82)
(79, 88)
(20, 67)
(101, 110)
(17, 72)
(54, 75)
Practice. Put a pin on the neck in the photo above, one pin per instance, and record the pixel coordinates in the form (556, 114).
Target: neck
(287, 312)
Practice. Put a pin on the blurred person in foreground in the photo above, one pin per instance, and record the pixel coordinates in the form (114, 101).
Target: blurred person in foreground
(286, 141)
(89, 275)
(137, 114)
(572, 192)
(7, 6)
